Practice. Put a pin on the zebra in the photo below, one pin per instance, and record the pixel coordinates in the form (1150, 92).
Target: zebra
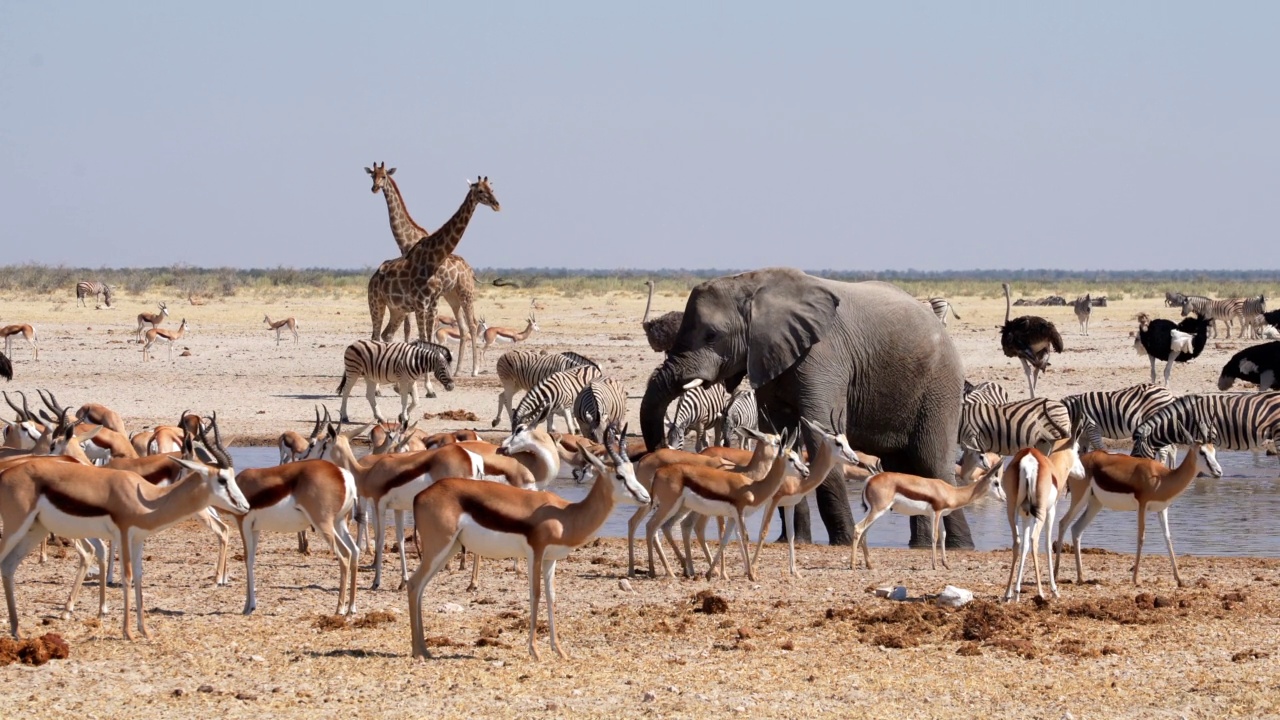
(699, 410)
(940, 307)
(1251, 316)
(1009, 427)
(1173, 298)
(1230, 421)
(1114, 414)
(740, 413)
(985, 393)
(400, 363)
(93, 288)
(1214, 310)
(601, 404)
(554, 394)
(524, 369)
(1083, 307)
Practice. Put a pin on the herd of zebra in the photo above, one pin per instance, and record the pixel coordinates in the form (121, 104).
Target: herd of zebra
(564, 384)
(1251, 313)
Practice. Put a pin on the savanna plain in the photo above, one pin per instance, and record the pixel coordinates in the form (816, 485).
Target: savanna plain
(822, 645)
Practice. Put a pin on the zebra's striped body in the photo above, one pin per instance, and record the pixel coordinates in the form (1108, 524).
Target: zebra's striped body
(1251, 316)
(399, 363)
(556, 393)
(1005, 429)
(1231, 421)
(698, 410)
(940, 307)
(1225, 310)
(985, 393)
(1115, 414)
(1174, 299)
(741, 412)
(93, 288)
(601, 404)
(524, 369)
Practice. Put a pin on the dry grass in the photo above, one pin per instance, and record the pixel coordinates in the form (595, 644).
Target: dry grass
(820, 646)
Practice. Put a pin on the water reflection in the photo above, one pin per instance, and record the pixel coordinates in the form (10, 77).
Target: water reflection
(1233, 515)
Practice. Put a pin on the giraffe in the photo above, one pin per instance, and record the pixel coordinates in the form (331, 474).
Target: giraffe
(409, 282)
(455, 279)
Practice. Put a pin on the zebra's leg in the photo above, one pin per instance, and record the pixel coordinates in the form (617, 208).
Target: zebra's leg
(412, 398)
(348, 382)
(371, 392)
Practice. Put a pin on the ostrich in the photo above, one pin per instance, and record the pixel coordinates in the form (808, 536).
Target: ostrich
(1258, 364)
(6, 368)
(1161, 339)
(661, 330)
(1030, 339)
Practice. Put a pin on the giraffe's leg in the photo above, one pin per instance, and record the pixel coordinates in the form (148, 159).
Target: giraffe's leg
(376, 306)
(423, 328)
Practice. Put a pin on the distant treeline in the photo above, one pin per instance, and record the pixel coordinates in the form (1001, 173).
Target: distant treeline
(224, 282)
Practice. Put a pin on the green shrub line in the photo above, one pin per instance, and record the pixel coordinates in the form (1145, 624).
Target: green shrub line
(183, 280)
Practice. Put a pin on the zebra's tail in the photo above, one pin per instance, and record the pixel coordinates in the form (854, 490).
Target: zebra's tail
(953, 311)
(342, 384)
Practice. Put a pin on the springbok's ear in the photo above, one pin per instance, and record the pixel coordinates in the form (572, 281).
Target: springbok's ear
(359, 431)
(88, 435)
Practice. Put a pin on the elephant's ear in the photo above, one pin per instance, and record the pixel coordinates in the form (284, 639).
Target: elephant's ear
(785, 320)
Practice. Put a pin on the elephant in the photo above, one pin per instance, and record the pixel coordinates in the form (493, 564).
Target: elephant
(866, 355)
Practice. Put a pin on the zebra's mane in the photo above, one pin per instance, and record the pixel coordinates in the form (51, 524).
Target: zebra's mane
(579, 359)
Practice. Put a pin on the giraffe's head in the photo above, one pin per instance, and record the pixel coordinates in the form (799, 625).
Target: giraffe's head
(482, 192)
(381, 176)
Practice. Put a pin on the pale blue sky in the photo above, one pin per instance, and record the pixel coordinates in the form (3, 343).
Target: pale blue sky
(842, 135)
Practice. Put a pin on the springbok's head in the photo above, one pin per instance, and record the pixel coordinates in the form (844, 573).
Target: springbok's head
(626, 488)
(381, 176)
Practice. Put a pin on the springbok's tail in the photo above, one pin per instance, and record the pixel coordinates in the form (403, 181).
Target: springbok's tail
(1028, 473)
(866, 507)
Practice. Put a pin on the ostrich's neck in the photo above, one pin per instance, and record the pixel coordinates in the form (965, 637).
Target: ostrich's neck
(1008, 305)
(647, 303)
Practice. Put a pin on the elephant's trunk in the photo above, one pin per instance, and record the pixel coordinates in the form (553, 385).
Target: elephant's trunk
(657, 396)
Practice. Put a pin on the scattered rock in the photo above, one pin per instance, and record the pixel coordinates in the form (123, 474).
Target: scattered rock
(952, 596)
(710, 603)
(451, 608)
(206, 688)
(1250, 654)
(649, 696)
(246, 696)
(178, 692)
(624, 585)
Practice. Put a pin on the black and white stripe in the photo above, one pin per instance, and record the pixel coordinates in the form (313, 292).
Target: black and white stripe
(1005, 429)
(985, 393)
(1173, 298)
(522, 370)
(1252, 320)
(1226, 310)
(554, 394)
(698, 410)
(741, 413)
(1115, 414)
(940, 307)
(601, 404)
(93, 288)
(1231, 421)
(398, 363)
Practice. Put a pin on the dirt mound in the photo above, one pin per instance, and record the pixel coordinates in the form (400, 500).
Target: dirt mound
(710, 603)
(36, 651)
(374, 619)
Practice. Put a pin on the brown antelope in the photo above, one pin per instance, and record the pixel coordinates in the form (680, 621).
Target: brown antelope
(169, 438)
(27, 332)
(1031, 493)
(80, 501)
(913, 495)
(141, 441)
(167, 337)
(645, 469)
(148, 320)
(494, 334)
(451, 331)
(498, 521)
(390, 482)
(833, 448)
(1121, 482)
(293, 445)
(291, 498)
(101, 415)
(717, 493)
(26, 428)
(280, 325)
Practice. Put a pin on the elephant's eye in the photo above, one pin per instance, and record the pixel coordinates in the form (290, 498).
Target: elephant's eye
(710, 336)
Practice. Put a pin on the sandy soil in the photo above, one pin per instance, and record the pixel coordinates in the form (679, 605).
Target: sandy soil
(821, 645)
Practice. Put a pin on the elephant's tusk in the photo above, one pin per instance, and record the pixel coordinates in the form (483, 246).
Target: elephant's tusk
(693, 383)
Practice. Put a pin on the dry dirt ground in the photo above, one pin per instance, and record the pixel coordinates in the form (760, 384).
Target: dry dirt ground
(820, 646)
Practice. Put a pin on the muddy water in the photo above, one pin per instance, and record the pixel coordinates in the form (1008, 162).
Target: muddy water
(1234, 515)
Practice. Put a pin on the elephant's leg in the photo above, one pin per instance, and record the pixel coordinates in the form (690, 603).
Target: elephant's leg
(833, 507)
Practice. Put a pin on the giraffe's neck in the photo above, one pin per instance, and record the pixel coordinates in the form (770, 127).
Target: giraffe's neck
(429, 254)
(406, 232)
